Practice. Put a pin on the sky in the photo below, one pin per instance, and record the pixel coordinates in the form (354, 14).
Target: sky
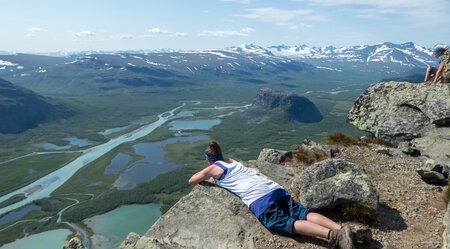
(80, 25)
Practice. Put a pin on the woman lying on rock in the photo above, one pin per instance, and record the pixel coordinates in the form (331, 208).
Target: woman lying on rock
(269, 202)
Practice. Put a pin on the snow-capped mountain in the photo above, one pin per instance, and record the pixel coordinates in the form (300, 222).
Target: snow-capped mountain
(405, 54)
(250, 63)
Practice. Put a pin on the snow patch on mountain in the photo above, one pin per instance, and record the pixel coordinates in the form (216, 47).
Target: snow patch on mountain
(7, 63)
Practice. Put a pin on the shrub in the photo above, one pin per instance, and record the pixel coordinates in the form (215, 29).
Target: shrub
(375, 140)
(339, 138)
(308, 156)
(358, 212)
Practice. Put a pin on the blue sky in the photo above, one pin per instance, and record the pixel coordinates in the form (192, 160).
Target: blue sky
(62, 25)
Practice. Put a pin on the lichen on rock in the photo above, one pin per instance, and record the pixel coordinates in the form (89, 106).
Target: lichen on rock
(332, 183)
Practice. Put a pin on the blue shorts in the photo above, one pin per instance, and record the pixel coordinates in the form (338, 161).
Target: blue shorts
(280, 216)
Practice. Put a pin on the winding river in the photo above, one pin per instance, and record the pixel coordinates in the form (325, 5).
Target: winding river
(44, 186)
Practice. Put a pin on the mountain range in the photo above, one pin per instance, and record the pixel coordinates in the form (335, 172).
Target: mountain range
(250, 64)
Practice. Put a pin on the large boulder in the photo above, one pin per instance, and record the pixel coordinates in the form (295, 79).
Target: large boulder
(208, 217)
(400, 111)
(414, 116)
(212, 217)
(274, 156)
(335, 182)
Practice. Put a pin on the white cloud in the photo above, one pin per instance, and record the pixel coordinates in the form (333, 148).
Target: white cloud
(283, 17)
(36, 30)
(158, 31)
(226, 33)
(33, 32)
(161, 32)
(84, 33)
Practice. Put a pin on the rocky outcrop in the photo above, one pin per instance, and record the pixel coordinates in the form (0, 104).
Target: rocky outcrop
(414, 116)
(268, 102)
(74, 243)
(212, 217)
(400, 111)
(334, 182)
(22, 109)
(274, 156)
(417, 118)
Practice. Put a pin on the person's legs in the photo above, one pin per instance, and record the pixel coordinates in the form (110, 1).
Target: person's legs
(338, 238)
(322, 220)
(429, 74)
(308, 228)
(315, 225)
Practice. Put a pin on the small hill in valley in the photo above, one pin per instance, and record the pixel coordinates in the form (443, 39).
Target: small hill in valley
(269, 102)
(22, 109)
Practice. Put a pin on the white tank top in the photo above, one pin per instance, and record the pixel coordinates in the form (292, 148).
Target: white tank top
(244, 183)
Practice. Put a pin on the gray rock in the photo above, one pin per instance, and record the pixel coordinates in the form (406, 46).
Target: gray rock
(330, 183)
(432, 177)
(130, 241)
(74, 243)
(310, 152)
(400, 111)
(408, 148)
(212, 217)
(436, 165)
(274, 156)
(435, 144)
(415, 116)
(208, 217)
(312, 145)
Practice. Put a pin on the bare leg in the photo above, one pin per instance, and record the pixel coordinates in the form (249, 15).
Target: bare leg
(428, 74)
(315, 225)
(322, 220)
(309, 228)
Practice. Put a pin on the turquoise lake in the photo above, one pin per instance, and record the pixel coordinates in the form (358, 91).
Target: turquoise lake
(112, 228)
(54, 239)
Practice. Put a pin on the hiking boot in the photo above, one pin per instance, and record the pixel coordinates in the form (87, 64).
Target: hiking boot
(342, 238)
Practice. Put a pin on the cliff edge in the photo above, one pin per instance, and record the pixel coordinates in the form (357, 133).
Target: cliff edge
(407, 211)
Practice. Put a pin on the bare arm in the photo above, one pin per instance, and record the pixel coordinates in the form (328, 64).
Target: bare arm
(439, 72)
(206, 173)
